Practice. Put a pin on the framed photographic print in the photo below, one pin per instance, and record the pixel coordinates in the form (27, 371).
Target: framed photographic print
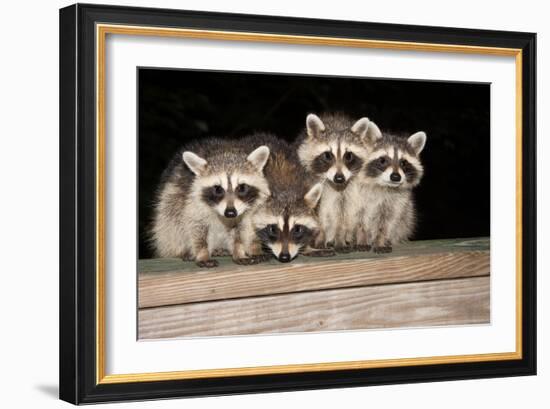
(258, 203)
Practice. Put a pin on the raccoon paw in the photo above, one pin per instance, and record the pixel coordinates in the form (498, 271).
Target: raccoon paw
(345, 249)
(220, 253)
(320, 253)
(363, 247)
(322, 245)
(248, 261)
(262, 257)
(328, 245)
(207, 263)
(384, 249)
(187, 257)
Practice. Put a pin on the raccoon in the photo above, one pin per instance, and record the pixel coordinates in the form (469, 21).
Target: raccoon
(392, 170)
(203, 197)
(286, 223)
(333, 148)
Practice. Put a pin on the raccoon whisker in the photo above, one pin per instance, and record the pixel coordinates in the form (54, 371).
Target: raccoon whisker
(267, 250)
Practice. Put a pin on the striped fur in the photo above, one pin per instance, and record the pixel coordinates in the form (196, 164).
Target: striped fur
(392, 169)
(333, 149)
(203, 198)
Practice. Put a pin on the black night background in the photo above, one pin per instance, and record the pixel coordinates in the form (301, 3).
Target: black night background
(176, 106)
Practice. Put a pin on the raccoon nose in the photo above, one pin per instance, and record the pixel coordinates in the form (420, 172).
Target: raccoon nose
(395, 177)
(339, 178)
(230, 212)
(284, 257)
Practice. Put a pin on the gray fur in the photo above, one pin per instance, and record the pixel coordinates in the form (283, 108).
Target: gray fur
(293, 200)
(388, 215)
(340, 203)
(187, 226)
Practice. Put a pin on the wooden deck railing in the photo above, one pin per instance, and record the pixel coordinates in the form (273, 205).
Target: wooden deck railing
(422, 283)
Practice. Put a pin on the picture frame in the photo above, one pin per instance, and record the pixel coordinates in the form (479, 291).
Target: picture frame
(83, 217)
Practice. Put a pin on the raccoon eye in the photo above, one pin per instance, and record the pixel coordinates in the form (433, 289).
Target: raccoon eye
(327, 155)
(404, 164)
(298, 231)
(348, 157)
(242, 189)
(382, 161)
(218, 190)
(272, 231)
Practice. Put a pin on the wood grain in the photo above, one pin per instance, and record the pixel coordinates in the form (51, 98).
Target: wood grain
(413, 248)
(179, 287)
(432, 303)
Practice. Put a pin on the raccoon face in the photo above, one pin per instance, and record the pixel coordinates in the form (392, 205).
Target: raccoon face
(335, 154)
(395, 163)
(338, 163)
(286, 228)
(230, 198)
(230, 192)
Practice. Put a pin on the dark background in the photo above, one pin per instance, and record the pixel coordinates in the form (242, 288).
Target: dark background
(176, 106)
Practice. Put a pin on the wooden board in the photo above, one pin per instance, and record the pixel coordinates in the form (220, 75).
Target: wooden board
(170, 281)
(423, 283)
(441, 302)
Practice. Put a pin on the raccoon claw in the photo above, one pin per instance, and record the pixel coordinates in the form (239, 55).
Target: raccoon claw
(207, 263)
(187, 257)
(246, 261)
(345, 249)
(380, 250)
(220, 253)
(363, 247)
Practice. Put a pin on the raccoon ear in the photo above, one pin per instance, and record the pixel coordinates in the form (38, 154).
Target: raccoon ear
(360, 127)
(367, 130)
(373, 132)
(314, 126)
(313, 195)
(259, 157)
(194, 162)
(417, 141)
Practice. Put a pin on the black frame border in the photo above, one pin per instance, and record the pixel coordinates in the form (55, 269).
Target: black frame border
(77, 285)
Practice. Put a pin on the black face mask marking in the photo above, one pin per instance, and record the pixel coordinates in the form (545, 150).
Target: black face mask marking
(352, 161)
(298, 235)
(269, 234)
(247, 193)
(301, 234)
(378, 166)
(409, 170)
(213, 195)
(323, 162)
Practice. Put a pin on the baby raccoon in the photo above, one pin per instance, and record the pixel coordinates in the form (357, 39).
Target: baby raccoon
(286, 223)
(205, 192)
(333, 148)
(392, 169)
